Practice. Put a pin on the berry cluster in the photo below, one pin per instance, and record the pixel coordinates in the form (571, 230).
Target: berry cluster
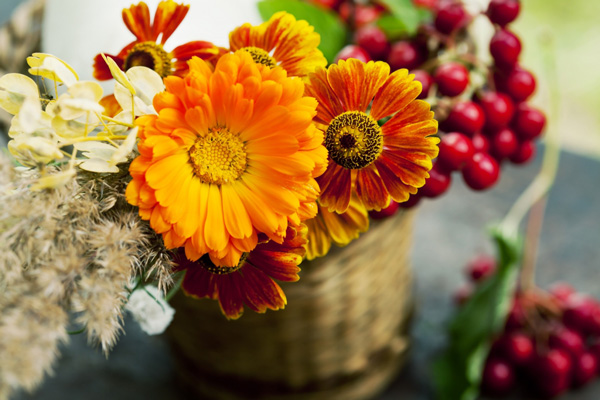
(550, 343)
(483, 122)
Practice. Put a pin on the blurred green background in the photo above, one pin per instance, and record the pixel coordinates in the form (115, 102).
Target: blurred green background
(573, 31)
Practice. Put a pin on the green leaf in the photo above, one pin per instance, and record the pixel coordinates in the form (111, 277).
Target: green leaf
(392, 26)
(405, 18)
(457, 374)
(326, 23)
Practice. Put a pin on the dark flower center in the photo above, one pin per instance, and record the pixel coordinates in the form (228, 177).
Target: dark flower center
(354, 140)
(151, 55)
(260, 56)
(206, 263)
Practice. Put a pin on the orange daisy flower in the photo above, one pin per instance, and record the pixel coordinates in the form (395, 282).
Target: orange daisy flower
(250, 282)
(340, 229)
(146, 51)
(281, 41)
(231, 154)
(376, 162)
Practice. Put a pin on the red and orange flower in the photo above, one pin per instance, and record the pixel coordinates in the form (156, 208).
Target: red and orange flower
(281, 41)
(147, 51)
(232, 154)
(329, 228)
(250, 282)
(378, 136)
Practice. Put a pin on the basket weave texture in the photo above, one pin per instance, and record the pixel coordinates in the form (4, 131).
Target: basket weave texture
(343, 334)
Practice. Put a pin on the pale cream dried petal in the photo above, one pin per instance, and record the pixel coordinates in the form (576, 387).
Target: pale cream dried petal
(124, 118)
(118, 74)
(30, 150)
(53, 181)
(81, 98)
(124, 150)
(14, 89)
(52, 67)
(147, 84)
(98, 165)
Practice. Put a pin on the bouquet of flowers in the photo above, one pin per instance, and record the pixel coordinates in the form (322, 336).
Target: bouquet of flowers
(217, 170)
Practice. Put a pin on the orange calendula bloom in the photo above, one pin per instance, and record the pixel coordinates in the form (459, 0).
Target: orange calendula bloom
(146, 51)
(281, 41)
(340, 229)
(232, 153)
(376, 162)
(250, 282)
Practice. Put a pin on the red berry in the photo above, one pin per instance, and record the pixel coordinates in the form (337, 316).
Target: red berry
(498, 109)
(516, 317)
(429, 4)
(552, 365)
(362, 14)
(481, 171)
(426, 82)
(412, 201)
(455, 150)
(503, 12)
(524, 153)
(437, 183)
(505, 48)
(332, 4)
(519, 84)
(405, 54)
(452, 78)
(585, 367)
(373, 40)
(594, 321)
(385, 212)
(353, 51)
(595, 349)
(466, 117)
(450, 17)
(481, 267)
(568, 340)
(578, 313)
(504, 143)
(561, 291)
(481, 144)
(550, 388)
(518, 348)
(498, 377)
(528, 122)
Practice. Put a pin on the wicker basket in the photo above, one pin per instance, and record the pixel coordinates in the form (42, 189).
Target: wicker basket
(343, 334)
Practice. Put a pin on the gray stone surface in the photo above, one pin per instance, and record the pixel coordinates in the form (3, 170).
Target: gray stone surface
(448, 232)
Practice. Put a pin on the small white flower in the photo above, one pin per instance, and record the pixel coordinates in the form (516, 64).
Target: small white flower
(150, 310)
(51, 67)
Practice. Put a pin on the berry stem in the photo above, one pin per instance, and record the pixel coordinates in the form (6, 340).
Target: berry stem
(532, 238)
(542, 183)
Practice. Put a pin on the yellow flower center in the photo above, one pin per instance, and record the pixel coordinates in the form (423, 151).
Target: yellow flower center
(151, 55)
(260, 56)
(354, 140)
(218, 157)
(206, 263)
